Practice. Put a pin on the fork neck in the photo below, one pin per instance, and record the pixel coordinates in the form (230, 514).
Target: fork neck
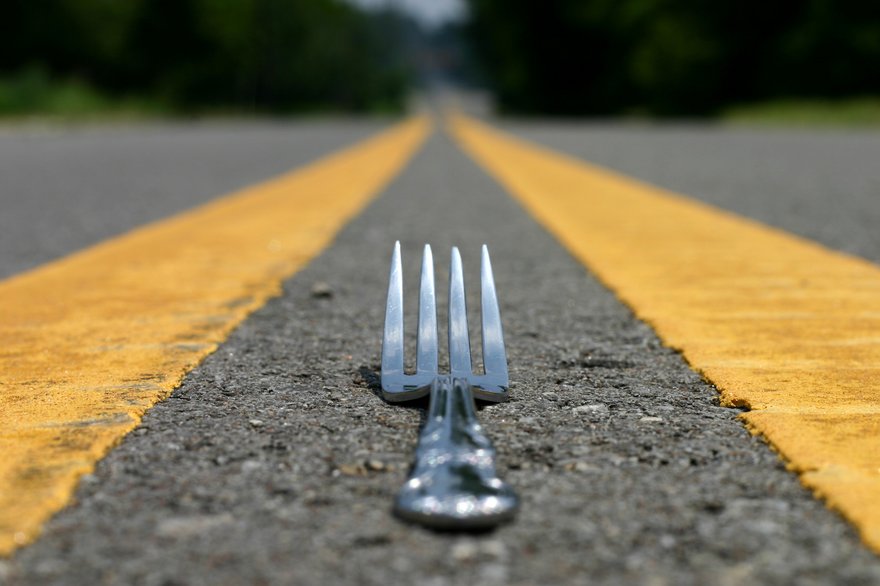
(452, 415)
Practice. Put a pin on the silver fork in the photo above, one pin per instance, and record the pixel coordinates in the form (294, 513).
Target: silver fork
(453, 483)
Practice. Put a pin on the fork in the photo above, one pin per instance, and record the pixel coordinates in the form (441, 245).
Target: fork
(453, 483)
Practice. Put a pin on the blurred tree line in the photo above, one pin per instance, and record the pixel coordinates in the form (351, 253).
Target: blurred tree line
(673, 57)
(264, 55)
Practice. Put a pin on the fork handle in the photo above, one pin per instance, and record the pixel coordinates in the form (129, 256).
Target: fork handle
(453, 483)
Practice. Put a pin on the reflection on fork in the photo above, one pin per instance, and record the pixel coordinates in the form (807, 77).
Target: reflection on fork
(453, 483)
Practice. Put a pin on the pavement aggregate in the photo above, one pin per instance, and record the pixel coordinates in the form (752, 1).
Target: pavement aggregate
(276, 461)
(820, 184)
(64, 188)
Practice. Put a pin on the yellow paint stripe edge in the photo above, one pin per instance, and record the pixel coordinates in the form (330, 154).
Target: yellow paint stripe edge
(89, 343)
(779, 324)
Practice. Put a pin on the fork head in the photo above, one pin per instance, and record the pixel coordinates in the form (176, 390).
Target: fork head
(397, 385)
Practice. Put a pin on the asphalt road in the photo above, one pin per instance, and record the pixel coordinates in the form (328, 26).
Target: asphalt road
(823, 185)
(63, 188)
(276, 461)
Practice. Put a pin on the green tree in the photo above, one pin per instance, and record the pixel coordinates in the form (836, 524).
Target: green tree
(673, 56)
(276, 55)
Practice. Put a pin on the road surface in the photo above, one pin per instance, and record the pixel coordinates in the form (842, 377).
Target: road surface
(276, 461)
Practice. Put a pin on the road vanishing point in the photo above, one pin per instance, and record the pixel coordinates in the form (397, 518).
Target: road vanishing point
(190, 331)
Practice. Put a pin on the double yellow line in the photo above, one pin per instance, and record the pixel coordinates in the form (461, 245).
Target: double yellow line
(778, 324)
(90, 342)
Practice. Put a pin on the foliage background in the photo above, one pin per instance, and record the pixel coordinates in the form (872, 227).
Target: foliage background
(556, 57)
(674, 57)
(261, 55)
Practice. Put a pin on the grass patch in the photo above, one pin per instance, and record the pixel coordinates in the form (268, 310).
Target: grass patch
(34, 94)
(864, 111)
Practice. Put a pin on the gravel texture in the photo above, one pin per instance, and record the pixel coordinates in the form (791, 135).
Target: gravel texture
(63, 188)
(276, 462)
(824, 185)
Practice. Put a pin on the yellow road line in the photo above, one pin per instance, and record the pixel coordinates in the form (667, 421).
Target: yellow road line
(90, 342)
(779, 324)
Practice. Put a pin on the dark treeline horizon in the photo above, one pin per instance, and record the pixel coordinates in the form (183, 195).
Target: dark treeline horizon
(260, 55)
(673, 57)
(556, 57)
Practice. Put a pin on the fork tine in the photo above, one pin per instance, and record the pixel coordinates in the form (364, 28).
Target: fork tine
(426, 361)
(459, 345)
(494, 356)
(392, 340)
